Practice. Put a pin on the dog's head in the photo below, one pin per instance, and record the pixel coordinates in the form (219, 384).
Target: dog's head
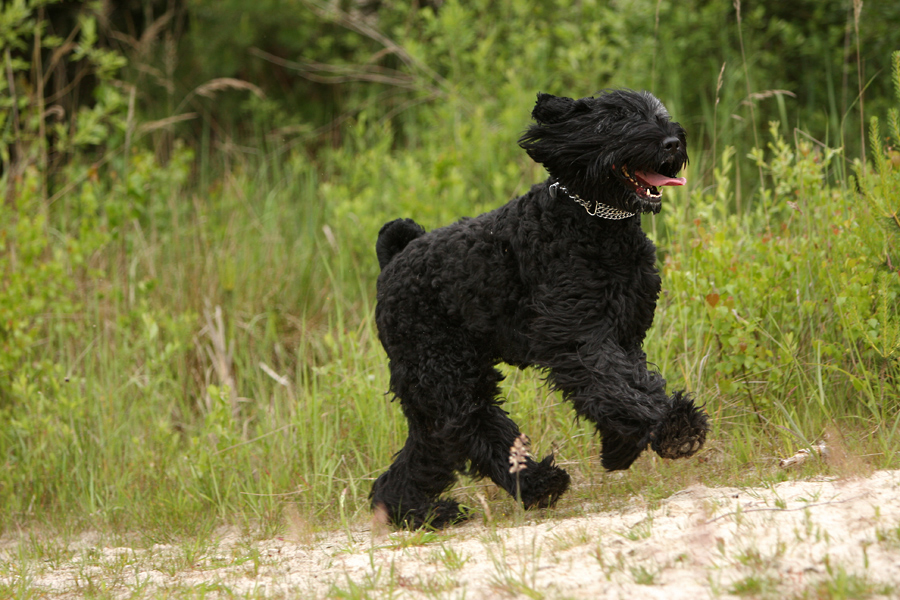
(619, 148)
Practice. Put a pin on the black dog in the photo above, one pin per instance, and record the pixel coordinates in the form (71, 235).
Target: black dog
(563, 279)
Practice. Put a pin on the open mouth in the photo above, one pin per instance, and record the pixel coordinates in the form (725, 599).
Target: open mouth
(646, 184)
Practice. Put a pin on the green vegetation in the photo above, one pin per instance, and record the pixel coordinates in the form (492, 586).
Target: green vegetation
(186, 333)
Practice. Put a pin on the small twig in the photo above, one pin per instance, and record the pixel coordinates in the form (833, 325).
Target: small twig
(768, 94)
(16, 156)
(164, 123)
(38, 67)
(297, 493)
(742, 512)
(129, 131)
(737, 9)
(256, 439)
(857, 11)
(314, 71)
(280, 379)
(344, 18)
(719, 82)
(488, 517)
(214, 86)
(81, 178)
(801, 456)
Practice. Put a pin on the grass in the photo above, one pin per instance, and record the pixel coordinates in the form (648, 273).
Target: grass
(515, 571)
(451, 559)
(231, 374)
(183, 351)
(756, 586)
(641, 530)
(841, 585)
(644, 575)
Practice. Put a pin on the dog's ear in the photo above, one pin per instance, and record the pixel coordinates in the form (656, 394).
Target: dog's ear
(555, 109)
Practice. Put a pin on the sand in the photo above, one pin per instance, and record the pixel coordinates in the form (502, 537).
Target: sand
(806, 539)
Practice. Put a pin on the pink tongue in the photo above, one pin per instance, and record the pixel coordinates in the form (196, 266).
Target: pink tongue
(655, 179)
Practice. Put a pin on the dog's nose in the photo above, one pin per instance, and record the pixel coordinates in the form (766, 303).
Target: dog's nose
(672, 144)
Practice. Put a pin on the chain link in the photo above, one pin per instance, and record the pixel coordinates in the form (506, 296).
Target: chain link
(602, 211)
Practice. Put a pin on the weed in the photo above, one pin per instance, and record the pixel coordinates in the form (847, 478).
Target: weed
(841, 585)
(572, 539)
(756, 586)
(889, 536)
(428, 585)
(516, 582)
(751, 557)
(607, 565)
(641, 530)
(643, 575)
(450, 558)
(375, 584)
(419, 537)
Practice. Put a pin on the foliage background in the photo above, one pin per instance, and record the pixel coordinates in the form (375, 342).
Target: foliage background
(192, 190)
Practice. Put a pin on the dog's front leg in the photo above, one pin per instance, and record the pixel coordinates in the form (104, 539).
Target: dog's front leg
(613, 388)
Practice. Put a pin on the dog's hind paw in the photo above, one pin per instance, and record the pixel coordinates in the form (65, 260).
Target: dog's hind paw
(436, 515)
(684, 430)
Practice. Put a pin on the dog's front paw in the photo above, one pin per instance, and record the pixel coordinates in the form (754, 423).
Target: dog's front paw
(543, 484)
(684, 430)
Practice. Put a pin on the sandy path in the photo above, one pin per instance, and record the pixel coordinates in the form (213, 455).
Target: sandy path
(828, 538)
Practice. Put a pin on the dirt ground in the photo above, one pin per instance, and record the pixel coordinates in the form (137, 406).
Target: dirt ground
(834, 538)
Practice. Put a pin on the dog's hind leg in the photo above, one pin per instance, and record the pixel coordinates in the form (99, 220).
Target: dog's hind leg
(409, 490)
(454, 419)
(489, 435)
(435, 398)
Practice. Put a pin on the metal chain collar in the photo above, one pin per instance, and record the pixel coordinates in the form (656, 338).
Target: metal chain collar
(602, 211)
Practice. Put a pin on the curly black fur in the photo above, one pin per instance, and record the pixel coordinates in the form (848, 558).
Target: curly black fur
(536, 282)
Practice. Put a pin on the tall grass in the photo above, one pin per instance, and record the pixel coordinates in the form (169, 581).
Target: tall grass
(183, 349)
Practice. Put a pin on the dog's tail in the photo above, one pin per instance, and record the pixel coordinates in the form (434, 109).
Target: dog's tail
(394, 237)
